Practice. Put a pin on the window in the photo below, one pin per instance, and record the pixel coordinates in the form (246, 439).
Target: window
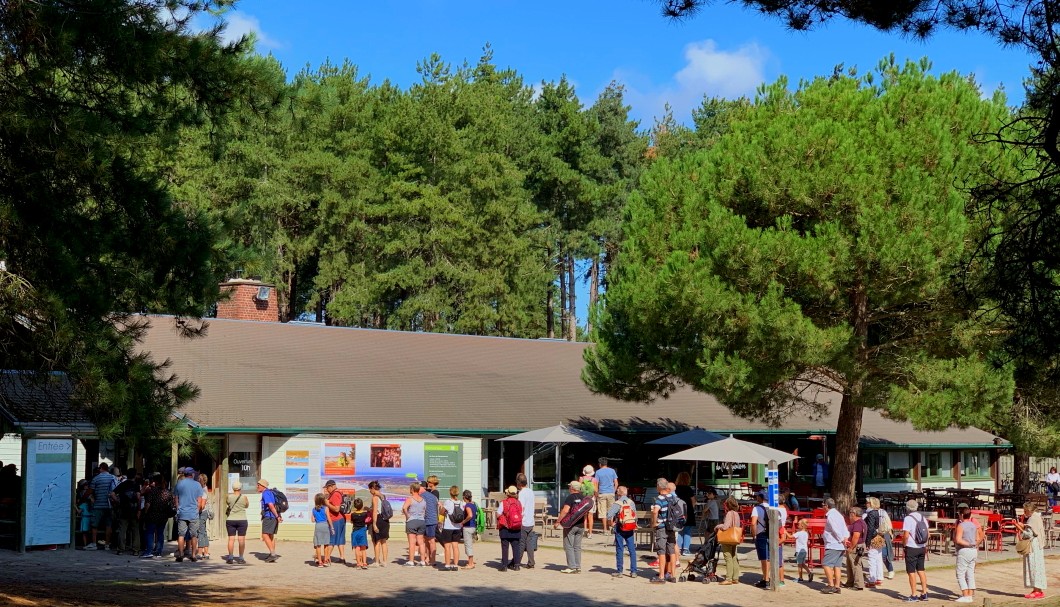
(885, 465)
(936, 464)
(975, 464)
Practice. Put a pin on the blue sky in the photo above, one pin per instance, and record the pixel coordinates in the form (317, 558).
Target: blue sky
(724, 51)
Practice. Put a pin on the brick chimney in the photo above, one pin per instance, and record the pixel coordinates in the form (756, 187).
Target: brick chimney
(248, 300)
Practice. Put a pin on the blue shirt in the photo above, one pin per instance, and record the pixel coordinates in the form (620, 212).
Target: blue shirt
(267, 498)
(320, 514)
(430, 514)
(662, 502)
(102, 485)
(606, 477)
(474, 513)
(188, 492)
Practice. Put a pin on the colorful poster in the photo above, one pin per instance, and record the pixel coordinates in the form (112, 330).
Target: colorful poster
(445, 461)
(296, 485)
(49, 491)
(340, 459)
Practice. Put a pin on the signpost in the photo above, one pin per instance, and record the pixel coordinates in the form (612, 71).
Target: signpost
(773, 496)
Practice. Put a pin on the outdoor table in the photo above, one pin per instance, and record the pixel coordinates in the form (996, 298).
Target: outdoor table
(795, 515)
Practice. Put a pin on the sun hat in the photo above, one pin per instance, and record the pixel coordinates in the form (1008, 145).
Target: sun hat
(588, 470)
(511, 490)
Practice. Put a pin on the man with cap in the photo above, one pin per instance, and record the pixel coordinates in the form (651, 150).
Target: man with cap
(338, 522)
(270, 519)
(572, 535)
(191, 499)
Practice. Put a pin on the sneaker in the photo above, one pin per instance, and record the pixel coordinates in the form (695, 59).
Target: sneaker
(272, 558)
(568, 570)
(889, 575)
(810, 575)
(633, 573)
(829, 590)
(923, 597)
(91, 547)
(193, 559)
(912, 599)
(180, 559)
(657, 580)
(965, 599)
(761, 584)
(148, 556)
(409, 564)
(616, 574)
(239, 560)
(530, 566)
(800, 581)
(503, 568)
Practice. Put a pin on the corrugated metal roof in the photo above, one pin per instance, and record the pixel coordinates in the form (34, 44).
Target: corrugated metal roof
(277, 377)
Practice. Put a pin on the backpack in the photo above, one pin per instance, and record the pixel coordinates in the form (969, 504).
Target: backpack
(480, 520)
(457, 516)
(763, 519)
(577, 512)
(512, 516)
(386, 511)
(920, 536)
(346, 506)
(169, 508)
(627, 517)
(281, 501)
(588, 488)
(128, 502)
(676, 514)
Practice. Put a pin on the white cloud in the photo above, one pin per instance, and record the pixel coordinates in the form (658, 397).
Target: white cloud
(708, 70)
(240, 24)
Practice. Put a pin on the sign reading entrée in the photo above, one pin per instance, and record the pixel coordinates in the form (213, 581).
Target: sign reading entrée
(444, 461)
(49, 491)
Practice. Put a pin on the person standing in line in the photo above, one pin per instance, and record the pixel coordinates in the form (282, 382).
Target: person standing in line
(236, 505)
(415, 511)
(966, 537)
(802, 548)
(338, 522)
(526, 500)
(380, 524)
(760, 528)
(429, 493)
(102, 485)
(874, 542)
(665, 540)
(572, 535)
(623, 513)
(590, 488)
(607, 485)
(451, 534)
(270, 519)
(321, 529)
(510, 538)
(469, 528)
(732, 521)
(1033, 562)
(855, 545)
(191, 499)
(205, 515)
(159, 505)
(684, 492)
(126, 495)
(359, 535)
(835, 537)
(915, 552)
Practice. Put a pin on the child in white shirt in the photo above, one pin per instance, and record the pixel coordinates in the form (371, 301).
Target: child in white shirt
(802, 542)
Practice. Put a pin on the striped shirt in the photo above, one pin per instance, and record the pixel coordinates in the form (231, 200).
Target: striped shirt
(662, 503)
(102, 485)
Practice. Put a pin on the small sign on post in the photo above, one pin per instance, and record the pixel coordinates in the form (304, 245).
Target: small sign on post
(773, 497)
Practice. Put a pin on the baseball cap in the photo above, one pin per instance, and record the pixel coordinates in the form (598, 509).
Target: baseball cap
(962, 505)
(330, 483)
(761, 494)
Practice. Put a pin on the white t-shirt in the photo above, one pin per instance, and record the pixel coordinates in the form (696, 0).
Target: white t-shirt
(802, 541)
(835, 530)
(448, 506)
(526, 500)
(909, 524)
(1052, 477)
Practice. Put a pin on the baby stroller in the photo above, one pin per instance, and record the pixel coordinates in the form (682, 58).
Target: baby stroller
(704, 564)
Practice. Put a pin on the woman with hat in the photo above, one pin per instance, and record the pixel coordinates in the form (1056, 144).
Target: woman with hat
(236, 505)
(590, 488)
(510, 537)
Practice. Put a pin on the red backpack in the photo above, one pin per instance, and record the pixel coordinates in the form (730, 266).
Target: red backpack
(627, 518)
(511, 517)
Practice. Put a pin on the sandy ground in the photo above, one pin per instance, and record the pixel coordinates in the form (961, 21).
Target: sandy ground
(75, 577)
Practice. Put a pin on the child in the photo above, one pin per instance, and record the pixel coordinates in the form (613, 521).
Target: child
(359, 538)
(84, 511)
(802, 542)
(322, 531)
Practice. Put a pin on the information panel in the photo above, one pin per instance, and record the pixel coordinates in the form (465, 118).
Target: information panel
(446, 462)
(49, 491)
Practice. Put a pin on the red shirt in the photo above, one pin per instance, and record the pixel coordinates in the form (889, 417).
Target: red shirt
(335, 499)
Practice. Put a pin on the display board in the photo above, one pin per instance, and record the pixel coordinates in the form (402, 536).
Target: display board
(49, 491)
(353, 463)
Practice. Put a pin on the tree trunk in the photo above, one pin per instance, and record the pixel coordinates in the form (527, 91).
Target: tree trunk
(561, 266)
(550, 312)
(572, 299)
(594, 291)
(1021, 472)
(851, 412)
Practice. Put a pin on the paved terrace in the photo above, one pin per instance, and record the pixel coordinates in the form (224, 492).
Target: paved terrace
(69, 577)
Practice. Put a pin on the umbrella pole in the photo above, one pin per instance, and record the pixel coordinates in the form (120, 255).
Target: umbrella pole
(558, 501)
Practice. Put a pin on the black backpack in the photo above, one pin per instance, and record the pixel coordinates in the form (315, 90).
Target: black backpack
(458, 515)
(386, 511)
(347, 504)
(280, 499)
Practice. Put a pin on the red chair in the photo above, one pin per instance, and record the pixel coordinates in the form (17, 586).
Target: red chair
(815, 529)
(898, 544)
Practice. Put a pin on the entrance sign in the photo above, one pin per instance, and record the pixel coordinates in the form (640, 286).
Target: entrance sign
(49, 491)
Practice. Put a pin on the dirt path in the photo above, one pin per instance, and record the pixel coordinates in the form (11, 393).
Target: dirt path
(69, 578)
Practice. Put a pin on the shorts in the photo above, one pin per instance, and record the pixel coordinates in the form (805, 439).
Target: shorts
(833, 559)
(269, 526)
(415, 527)
(800, 557)
(604, 501)
(384, 531)
(359, 538)
(236, 528)
(338, 536)
(431, 531)
(447, 536)
(914, 559)
(762, 546)
(188, 527)
(101, 518)
(665, 542)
